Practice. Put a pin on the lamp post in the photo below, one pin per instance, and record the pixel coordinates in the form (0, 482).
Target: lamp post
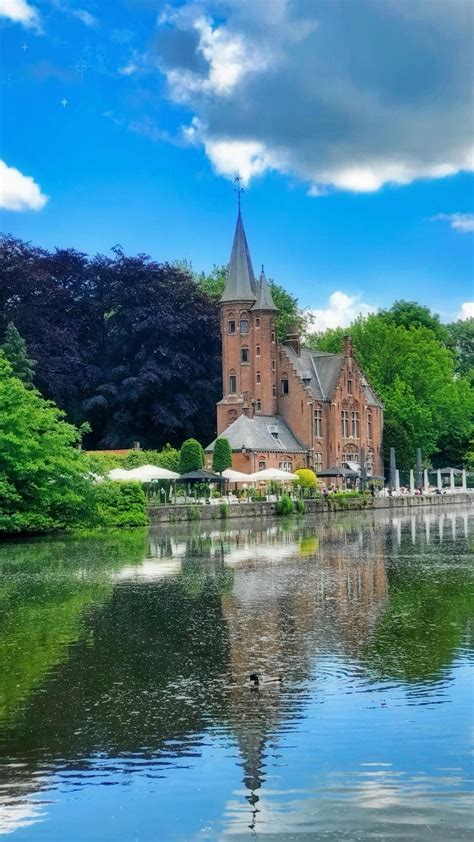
(418, 472)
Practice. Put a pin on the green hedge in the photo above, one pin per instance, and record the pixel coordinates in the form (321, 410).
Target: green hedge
(118, 504)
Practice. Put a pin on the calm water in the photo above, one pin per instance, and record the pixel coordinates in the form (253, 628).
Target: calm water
(125, 713)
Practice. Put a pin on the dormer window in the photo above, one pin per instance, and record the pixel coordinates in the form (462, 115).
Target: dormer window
(244, 326)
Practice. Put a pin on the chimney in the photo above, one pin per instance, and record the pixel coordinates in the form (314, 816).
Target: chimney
(293, 339)
(348, 349)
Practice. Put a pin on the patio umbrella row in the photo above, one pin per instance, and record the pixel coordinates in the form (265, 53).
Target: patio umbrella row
(148, 473)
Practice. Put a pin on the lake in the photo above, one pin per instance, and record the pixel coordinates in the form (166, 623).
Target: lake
(126, 712)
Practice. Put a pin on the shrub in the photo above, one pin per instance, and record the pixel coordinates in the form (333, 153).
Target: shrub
(222, 456)
(306, 478)
(299, 506)
(223, 510)
(284, 505)
(193, 512)
(191, 456)
(118, 504)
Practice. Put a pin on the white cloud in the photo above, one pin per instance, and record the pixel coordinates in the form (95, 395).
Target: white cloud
(228, 58)
(342, 310)
(466, 311)
(128, 69)
(463, 222)
(19, 11)
(19, 192)
(85, 16)
(347, 96)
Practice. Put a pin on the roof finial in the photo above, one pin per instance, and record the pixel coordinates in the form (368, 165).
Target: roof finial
(238, 189)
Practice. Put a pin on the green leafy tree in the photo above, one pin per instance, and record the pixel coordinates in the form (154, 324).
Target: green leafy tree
(426, 404)
(14, 348)
(190, 456)
(42, 482)
(462, 336)
(222, 455)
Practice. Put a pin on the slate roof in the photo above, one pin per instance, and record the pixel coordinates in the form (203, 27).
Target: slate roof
(320, 372)
(240, 283)
(255, 434)
(264, 295)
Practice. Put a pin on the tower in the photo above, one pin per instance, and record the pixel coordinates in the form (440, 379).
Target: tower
(247, 317)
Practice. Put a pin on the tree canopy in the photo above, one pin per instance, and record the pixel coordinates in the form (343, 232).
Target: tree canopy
(14, 348)
(42, 483)
(221, 456)
(191, 456)
(408, 357)
(130, 345)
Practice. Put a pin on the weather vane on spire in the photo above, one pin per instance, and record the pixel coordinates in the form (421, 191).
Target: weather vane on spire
(238, 189)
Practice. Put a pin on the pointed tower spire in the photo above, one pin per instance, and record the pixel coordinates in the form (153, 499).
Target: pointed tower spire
(240, 283)
(264, 295)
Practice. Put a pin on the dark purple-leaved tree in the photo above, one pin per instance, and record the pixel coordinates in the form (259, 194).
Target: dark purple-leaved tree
(130, 345)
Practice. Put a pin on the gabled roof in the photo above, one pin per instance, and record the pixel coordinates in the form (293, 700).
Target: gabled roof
(257, 434)
(320, 372)
(264, 295)
(240, 283)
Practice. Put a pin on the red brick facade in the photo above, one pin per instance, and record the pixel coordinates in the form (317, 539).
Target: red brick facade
(266, 378)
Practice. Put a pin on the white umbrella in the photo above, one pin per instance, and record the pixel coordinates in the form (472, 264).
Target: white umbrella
(147, 473)
(119, 474)
(235, 476)
(272, 474)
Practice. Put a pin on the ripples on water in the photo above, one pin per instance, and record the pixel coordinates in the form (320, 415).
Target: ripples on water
(125, 710)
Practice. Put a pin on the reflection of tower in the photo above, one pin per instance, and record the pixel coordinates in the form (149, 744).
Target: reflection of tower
(286, 607)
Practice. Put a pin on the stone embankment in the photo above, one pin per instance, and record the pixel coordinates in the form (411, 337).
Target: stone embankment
(178, 514)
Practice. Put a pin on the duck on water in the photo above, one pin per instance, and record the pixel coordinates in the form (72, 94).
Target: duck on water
(256, 681)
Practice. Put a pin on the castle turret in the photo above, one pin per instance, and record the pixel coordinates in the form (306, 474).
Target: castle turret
(248, 313)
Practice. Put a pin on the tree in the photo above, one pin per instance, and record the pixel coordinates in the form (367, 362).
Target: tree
(128, 344)
(42, 483)
(222, 455)
(190, 456)
(462, 336)
(426, 404)
(14, 348)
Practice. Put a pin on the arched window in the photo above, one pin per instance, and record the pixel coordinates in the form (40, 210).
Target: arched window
(345, 423)
(258, 377)
(257, 322)
(244, 323)
(257, 351)
(318, 461)
(262, 465)
(232, 382)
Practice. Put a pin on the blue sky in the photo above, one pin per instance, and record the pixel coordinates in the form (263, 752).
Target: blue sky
(124, 122)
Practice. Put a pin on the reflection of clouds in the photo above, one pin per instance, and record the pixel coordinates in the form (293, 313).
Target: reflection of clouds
(389, 804)
(16, 813)
(152, 571)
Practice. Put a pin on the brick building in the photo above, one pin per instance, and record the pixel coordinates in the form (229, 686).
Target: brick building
(285, 405)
